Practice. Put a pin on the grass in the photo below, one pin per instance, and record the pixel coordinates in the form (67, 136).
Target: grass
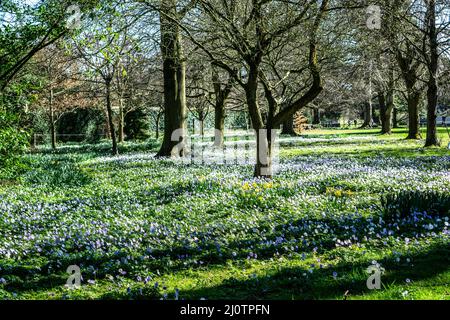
(141, 228)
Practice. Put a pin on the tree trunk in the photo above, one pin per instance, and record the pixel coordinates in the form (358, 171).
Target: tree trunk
(219, 123)
(174, 70)
(158, 119)
(395, 118)
(52, 121)
(251, 92)
(121, 122)
(413, 116)
(288, 127)
(386, 108)
(432, 139)
(368, 120)
(202, 128)
(222, 95)
(264, 149)
(432, 93)
(109, 111)
(316, 116)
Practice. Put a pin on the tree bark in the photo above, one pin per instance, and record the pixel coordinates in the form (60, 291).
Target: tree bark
(288, 127)
(112, 131)
(432, 93)
(158, 119)
(395, 118)
(121, 122)
(413, 115)
(174, 70)
(264, 150)
(316, 116)
(219, 123)
(368, 120)
(202, 128)
(222, 95)
(386, 107)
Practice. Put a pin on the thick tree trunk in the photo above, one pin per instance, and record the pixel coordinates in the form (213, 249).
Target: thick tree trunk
(368, 120)
(395, 118)
(174, 70)
(413, 116)
(316, 116)
(386, 108)
(222, 95)
(432, 139)
(112, 131)
(288, 127)
(432, 93)
(264, 149)
(251, 92)
(219, 124)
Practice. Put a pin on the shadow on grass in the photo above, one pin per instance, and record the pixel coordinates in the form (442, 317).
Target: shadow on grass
(394, 152)
(290, 283)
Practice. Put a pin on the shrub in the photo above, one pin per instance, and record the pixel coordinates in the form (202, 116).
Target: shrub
(404, 203)
(13, 142)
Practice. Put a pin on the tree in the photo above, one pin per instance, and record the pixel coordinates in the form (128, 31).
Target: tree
(398, 34)
(248, 31)
(102, 48)
(26, 29)
(61, 92)
(174, 71)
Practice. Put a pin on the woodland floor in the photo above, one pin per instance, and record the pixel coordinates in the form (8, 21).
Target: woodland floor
(141, 228)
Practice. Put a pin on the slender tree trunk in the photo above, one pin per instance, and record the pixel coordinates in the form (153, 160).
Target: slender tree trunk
(432, 93)
(121, 122)
(174, 70)
(112, 130)
(395, 118)
(158, 119)
(202, 128)
(52, 120)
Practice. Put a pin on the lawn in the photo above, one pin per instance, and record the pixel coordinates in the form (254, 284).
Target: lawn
(141, 228)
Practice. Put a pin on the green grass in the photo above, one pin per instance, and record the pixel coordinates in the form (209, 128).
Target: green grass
(197, 228)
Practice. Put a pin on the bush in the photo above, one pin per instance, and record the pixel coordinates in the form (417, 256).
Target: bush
(13, 142)
(404, 203)
(137, 125)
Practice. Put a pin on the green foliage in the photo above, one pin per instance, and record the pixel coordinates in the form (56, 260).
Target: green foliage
(13, 142)
(60, 171)
(137, 125)
(402, 204)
